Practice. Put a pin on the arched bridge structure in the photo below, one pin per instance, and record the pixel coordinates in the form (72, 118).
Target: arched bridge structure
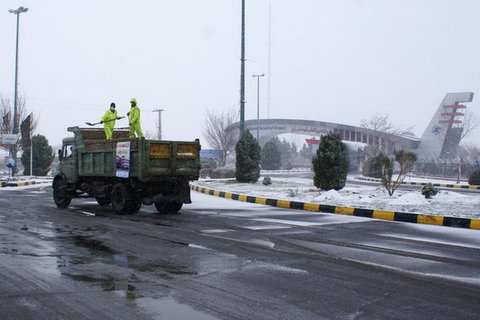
(440, 139)
(269, 128)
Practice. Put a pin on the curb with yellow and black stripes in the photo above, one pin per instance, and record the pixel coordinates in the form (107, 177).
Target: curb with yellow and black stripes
(21, 184)
(358, 212)
(441, 185)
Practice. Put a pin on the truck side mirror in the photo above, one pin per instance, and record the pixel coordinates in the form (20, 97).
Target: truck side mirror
(60, 154)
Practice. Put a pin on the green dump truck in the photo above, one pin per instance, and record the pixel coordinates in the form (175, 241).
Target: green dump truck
(125, 172)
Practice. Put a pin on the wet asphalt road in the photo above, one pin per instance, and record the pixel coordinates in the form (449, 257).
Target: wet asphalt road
(224, 259)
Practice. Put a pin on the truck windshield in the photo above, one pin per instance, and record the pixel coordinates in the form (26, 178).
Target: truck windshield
(67, 151)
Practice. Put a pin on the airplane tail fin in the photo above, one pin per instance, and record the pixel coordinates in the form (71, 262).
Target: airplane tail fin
(443, 134)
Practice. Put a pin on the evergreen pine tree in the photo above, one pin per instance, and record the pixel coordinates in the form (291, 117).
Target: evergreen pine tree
(42, 156)
(247, 164)
(271, 156)
(330, 164)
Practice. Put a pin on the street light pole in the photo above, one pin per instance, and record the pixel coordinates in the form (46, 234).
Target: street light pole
(258, 101)
(159, 122)
(242, 73)
(15, 99)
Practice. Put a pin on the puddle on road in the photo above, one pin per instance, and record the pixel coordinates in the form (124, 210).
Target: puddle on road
(92, 244)
(168, 308)
(115, 272)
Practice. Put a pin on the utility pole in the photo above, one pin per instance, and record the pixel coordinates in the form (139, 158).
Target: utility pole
(159, 122)
(269, 56)
(258, 101)
(242, 73)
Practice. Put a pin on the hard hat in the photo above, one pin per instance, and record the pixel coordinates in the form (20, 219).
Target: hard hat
(133, 100)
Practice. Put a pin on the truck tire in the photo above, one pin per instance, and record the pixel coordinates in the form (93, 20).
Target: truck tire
(168, 206)
(103, 201)
(61, 194)
(174, 206)
(123, 199)
(137, 206)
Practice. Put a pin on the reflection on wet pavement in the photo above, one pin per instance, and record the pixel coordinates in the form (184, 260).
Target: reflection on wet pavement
(168, 308)
(57, 251)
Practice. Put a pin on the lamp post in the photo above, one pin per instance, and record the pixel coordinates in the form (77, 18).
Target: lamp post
(242, 73)
(258, 101)
(15, 121)
(159, 122)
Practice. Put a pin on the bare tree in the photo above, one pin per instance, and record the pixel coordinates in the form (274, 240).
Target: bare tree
(220, 133)
(470, 124)
(380, 122)
(385, 128)
(8, 123)
(149, 134)
(469, 152)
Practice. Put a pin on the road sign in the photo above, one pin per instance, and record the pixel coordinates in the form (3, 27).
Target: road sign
(10, 138)
(9, 162)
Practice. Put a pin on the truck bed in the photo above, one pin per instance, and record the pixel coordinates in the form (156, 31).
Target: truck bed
(149, 159)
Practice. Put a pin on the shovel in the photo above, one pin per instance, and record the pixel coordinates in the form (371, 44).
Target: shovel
(94, 124)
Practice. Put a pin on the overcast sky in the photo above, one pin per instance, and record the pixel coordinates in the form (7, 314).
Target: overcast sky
(331, 60)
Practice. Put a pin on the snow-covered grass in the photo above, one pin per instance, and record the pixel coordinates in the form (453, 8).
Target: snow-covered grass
(373, 196)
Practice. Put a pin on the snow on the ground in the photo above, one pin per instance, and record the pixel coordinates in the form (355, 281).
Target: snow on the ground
(22, 179)
(446, 203)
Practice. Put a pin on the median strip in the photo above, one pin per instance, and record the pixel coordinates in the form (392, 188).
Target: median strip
(21, 183)
(441, 185)
(359, 212)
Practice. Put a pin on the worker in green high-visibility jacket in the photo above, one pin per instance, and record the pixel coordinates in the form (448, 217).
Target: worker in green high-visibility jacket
(134, 120)
(108, 121)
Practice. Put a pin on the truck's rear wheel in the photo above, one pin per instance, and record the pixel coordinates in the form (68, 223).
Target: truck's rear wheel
(61, 194)
(123, 199)
(103, 201)
(174, 206)
(168, 206)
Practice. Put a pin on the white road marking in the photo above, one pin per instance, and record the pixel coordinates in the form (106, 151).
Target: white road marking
(265, 227)
(215, 230)
(87, 213)
(291, 222)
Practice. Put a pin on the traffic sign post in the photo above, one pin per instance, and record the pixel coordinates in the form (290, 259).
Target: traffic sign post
(9, 163)
(10, 139)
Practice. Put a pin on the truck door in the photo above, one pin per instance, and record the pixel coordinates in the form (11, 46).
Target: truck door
(67, 163)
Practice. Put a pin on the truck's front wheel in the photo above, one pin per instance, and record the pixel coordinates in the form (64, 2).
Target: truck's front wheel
(61, 193)
(123, 199)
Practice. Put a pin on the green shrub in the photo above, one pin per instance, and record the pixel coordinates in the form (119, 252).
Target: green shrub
(474, 178)
(330, 164)
(247, 164)
(406, 161)
(429, 190)
(267, 181)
